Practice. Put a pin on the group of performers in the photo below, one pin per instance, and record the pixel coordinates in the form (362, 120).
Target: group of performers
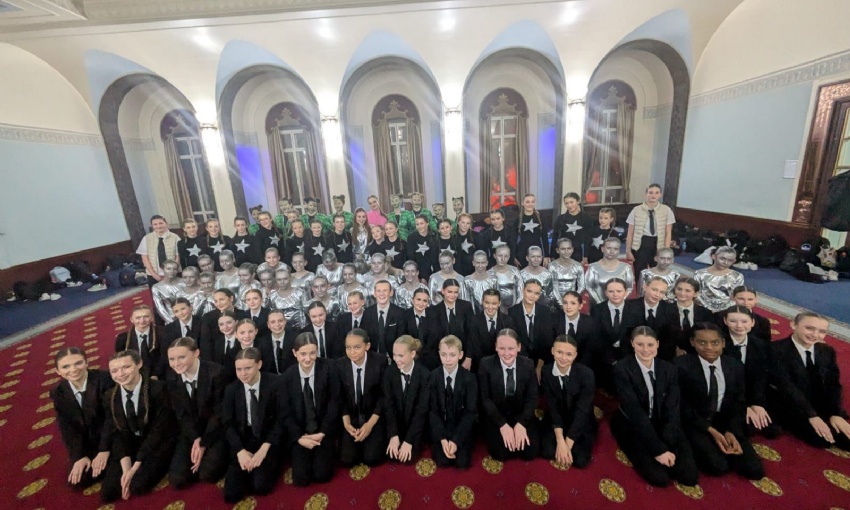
(338, 340)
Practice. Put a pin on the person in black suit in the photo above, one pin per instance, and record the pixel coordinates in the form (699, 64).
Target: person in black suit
(382, 321)
(451, 316)
(647, 425)
(362, 402)
(612, 344)
(406, 396)
(80, 413)
(141, 426)
(747, 296)
(714, 406)
(184, 324)
(246, 335)
(310, 404)
(569, 429)
(417, 322)
(254, 428)
(805, 393)
(754, 353)
(571, 322)
(509, 392)
(650, 310)
(256, 311)
(212, 339)
(196, 389)
(146, 339)
(483, 329)
(353, 318)
(533, 322)
(280, 342)
(453, 407)
(676, 336)
(331, 344)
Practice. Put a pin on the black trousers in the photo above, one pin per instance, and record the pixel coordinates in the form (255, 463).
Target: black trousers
(86, 479)
(683, 471)
(316, 465)
(213, 464)
(260, 481)
(496, 445)
(803, 430)
(463, 455)
(645, 255)
(712, 461)
(372, 451)
(582, 448)
(151, 471)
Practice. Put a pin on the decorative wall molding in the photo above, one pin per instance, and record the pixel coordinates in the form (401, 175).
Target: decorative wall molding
(654, 112)
(244, 138)
(27, 134)
(138, 144)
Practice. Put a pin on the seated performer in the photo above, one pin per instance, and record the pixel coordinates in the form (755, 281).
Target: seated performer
(406, 396)
(453, 408)
(146, 339)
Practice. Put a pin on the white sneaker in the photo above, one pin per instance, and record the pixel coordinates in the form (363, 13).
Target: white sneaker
(97, 288)
(833, 276)
(754, 267)
(741, 265)
(44, 297)
(76, 284)
(12, 298)
(54, 297)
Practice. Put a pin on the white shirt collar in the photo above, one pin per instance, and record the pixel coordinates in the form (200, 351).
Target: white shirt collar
(557, 373)
(197, 368)
(255, 386)
(643, 367)
(311, 374)
(505, 367)
(411, 369)
(85, 384)
(446, 373)
(612, 306)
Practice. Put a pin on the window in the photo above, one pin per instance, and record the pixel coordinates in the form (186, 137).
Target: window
(294, 142)
(608, 144)
(504, 165)
(503, 160)
(398, 148)
(189, 174)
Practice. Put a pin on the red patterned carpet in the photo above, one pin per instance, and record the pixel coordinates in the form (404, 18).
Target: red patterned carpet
(34, 462)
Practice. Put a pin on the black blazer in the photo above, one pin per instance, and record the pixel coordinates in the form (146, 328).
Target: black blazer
(440, 320)
(570, 410)
(756, 367)
(789, 379)
(174, 330)
(481, 342)
(453, 424)
(325, 396)
(498, 407)
(732, 414)
(334, 341)
(199, 417)
(344, 324)
(543, 331)
(82, 427)
(672, 336)
(156, 359)
(406, 419)
(373, 393)
(263, 344)
(608, 335)
(392, 329)
(586, 335)
(262, 320)
(761, 328)
(212, 339)
(664, 429)
(426, 333)
(235, 413)
(634, 315)
(155, 419)
(286, 360)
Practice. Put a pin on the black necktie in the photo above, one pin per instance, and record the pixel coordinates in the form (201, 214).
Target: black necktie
(80, 396)
(530, 330)
(228, 345)
(616, 318)
(312, 425)
(652, 397)
(652, 222)
(130, 409)
(510, 387)
(650, 317)
(449, 402)
(254, 411)
(713, 389)
(686, 321)
(565, 381)
(191, 386)
(815, 381)
(492, 325)
(356, 323)
(278, 355)
(451, 316)
(404, 392)
(322, 350)
(160, 252)
(381, 326)
(571, 331)
(358, 388)
(738, 351)
(143, 345)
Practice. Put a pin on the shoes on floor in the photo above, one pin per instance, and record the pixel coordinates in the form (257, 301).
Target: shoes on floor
(832, 275)
(12, 297)
(74, 284)
(741, 265)
(97, 288)
(44, 297)
(54, 297)
(754, 267)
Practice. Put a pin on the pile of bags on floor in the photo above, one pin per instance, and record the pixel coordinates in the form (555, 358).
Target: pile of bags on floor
(813, 261)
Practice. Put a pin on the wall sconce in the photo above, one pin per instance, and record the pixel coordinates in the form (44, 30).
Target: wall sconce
(454, 128)
(212, 144)
(575, 120)
(333, 137)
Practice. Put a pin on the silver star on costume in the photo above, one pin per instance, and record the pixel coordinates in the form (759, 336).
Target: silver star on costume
(422, 248)
(274, 239)
(241, 246)
(194, 250)
(217, 247)
(300, 247)
(498, 242)
(466, 245)
(450, 250)
(574, 227)
(343, 245)
(530, 226)
(318, 249)
(392, 253)
(597, 241)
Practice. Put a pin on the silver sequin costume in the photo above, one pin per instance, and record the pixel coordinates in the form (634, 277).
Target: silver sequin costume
(265, 267)
(403, 297)
(715, 291)
(435, 285)
(596, 277)
(243, 289)
(334, 277)
(223, 281)
(509, 285)
(291, 306)
(164, 295)
(565, 277)
(303, 283)
(361, 242)
(475, 289)
(342, 296)
(545, 279)
(670, 278)
(196, 298)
